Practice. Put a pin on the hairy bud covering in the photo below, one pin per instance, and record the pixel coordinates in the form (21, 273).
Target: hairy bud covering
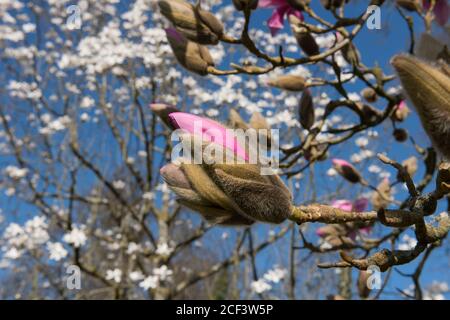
(193, 56)
(304, 38)
(194, 23)
(288, 82)
(428, 88)
(306, 110)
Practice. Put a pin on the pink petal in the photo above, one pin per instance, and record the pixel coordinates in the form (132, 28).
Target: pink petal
(210, 131)
(321, 232)
(276, 20)
(173, 33)
(345, 205)
(341, 162)
(297, 13)
(271, 3)
(360, 205)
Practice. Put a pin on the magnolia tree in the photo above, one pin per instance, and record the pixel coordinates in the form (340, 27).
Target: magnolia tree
(338, 188)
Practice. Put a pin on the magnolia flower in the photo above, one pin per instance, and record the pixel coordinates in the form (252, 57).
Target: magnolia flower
(359, 205)
(338, 235)
(281, 9)
(441, 10)
(224, 193)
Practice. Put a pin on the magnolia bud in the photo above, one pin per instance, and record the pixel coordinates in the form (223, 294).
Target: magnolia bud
(194, 23)
(349, 51)
(347, 170)
(443, 179)
(262, 198)
(369, 95)
(306, 110)
(429, 90)
(304, 38)
(400, 135)
(193, 56)
(410, 5)
(228, 193)
(236, 120)
(258, 122)
(162, 111)
(401, 112)
(288, 82)
(378, 201)
(410, 166)
(242, 4)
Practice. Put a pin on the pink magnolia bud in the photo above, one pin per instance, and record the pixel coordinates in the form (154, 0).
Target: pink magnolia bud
(401, 112)
(346, 170)
(228, 193)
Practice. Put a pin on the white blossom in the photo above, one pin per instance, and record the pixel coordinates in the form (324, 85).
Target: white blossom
(115, 275)
(56, 250)
(75, 237)
(260, 286)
